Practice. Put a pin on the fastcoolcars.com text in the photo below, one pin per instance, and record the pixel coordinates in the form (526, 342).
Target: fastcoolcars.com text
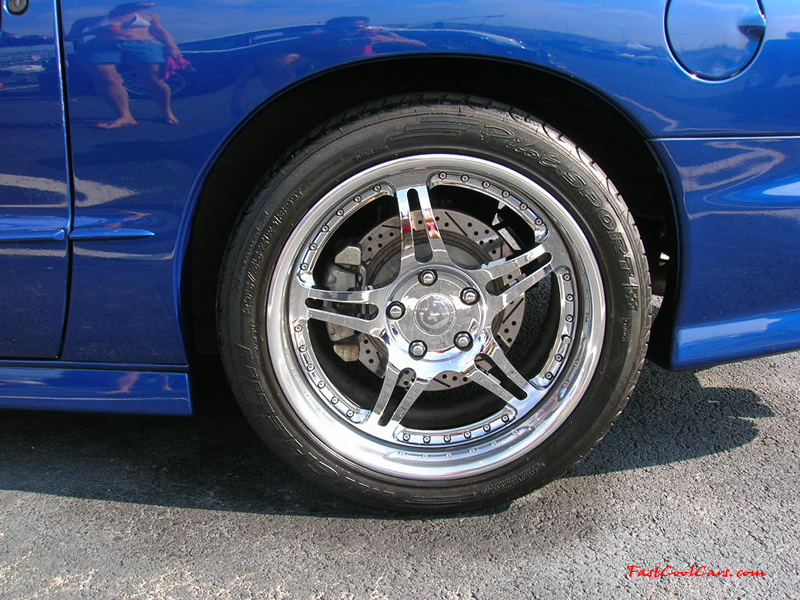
(694, 571)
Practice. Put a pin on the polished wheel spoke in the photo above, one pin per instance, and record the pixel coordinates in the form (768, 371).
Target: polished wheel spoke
(434, 236)
(372, 297)
(335, 314)
(380, 413)
(500, 360)
(408, 258)
(373, 327)
(506, 268)
(494, 353)
(385, 395)
(511, 266)
(411, 395)
(431, 228)
(523, 285)
(493, 384)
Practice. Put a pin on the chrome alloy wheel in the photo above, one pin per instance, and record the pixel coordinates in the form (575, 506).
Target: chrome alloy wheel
(436, 313)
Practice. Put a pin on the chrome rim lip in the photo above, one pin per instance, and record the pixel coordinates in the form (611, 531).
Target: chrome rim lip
(501, 445)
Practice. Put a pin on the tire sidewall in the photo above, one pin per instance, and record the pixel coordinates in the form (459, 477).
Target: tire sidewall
(477, 129)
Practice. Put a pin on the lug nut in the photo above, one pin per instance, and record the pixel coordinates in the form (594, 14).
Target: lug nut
(428, 277)
(463, 340)
(417, 349)
(396, 310)
(469, 296)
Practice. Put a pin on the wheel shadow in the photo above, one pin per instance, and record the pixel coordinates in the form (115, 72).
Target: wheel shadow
(214, 461)
(672, 418)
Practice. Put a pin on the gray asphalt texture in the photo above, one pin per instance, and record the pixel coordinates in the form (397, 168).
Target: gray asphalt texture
(701, 469)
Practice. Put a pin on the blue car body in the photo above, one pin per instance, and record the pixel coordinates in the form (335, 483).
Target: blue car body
(110, 241)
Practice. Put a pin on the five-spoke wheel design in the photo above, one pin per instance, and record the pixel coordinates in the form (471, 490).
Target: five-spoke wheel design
(434, 304)
(434, 311)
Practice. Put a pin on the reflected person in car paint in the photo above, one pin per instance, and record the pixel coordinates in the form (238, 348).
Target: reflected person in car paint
(340, 38)
(127, 35)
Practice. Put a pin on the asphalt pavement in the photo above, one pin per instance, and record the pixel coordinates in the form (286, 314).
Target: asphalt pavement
(702, 469)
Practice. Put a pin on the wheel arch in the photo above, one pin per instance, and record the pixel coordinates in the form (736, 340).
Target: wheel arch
(590, 119)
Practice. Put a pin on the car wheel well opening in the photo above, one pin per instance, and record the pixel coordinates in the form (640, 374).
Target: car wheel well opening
(590, 120)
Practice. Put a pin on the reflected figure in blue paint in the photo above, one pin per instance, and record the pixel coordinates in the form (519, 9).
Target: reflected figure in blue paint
(127, 35)
(339, 39)
(350, 37)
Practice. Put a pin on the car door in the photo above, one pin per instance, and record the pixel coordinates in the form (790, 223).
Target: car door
(34, 191)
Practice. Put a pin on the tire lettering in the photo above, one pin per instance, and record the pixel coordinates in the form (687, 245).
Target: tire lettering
(521, 147)
(607, 219)
(490, 131)
(592, 198)
(506, 484)
(370, 152)
(525, 150)
(550, 161)
(517, 144)
(256, 248)
(619, 243)
(574, 179)
(626, 265)
(631, 296)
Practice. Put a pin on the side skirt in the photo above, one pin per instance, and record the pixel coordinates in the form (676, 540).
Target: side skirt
(95, 390)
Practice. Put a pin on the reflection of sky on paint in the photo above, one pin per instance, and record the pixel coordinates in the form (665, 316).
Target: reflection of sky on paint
(190, 20)
(689, 23)
(787, 25)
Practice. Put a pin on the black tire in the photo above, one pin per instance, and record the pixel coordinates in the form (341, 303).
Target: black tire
(523, 402)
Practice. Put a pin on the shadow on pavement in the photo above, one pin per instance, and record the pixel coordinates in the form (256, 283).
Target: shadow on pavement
(671, 418)
(213, 461)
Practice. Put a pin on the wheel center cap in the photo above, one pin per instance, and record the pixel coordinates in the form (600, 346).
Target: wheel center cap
(435, 314)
